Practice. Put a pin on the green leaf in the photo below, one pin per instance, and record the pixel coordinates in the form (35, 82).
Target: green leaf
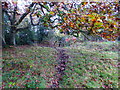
(98, 24)
(45, 18)
(61, 12)
(52, 13)
(45, 6)
(10, 83)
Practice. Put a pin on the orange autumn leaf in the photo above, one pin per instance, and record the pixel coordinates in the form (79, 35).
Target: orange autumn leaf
(104, 33)
(64, 18)
(52, 13)
(93, 20)
(110, 30)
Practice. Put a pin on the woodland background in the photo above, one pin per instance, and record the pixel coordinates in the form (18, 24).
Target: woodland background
(60, 45)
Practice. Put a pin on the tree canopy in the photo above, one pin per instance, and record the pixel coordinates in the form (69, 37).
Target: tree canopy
(88, 18)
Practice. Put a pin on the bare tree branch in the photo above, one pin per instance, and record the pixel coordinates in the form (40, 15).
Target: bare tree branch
(25, 14)
(44, 7)
(21, 29)
(14, 16)
(31, 19)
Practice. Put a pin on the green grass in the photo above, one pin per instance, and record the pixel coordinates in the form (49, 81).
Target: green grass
(91, 65)
(28, 67)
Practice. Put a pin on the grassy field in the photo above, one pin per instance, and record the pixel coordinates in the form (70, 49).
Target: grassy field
(28, 67)
(91, 65)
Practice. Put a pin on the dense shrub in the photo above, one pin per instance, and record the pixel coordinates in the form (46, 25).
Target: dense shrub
(25, 37)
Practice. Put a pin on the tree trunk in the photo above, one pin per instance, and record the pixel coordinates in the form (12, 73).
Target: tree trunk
(13, 34)
(12, 39)
(3, 32)
(3, 40)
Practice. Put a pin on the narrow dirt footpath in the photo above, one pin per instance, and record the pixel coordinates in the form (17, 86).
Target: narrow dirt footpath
(60, 67)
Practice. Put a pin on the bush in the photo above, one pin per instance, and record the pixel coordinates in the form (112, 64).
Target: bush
(25, 37)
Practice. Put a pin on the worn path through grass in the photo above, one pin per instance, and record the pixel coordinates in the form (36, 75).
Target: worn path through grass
(90, 65)
(62, 59)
